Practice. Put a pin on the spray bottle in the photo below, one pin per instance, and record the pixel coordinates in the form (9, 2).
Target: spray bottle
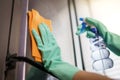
(100, 54)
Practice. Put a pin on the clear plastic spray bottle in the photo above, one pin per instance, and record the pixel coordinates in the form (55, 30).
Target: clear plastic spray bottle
(100, 54)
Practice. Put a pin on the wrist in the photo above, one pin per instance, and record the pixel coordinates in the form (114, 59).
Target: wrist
(83, 75)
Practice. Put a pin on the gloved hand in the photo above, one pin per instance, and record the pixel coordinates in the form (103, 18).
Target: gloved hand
(51, 54)
(34, 20)
(111, 39)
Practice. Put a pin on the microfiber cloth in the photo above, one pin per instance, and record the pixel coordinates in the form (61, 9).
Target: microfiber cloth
(34, 19)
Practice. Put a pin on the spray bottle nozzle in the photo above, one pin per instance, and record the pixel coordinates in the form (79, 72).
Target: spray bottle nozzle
(81, 19)
(82, 27)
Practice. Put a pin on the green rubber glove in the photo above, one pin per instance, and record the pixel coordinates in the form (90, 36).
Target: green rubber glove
(51, 54)
(112, 40)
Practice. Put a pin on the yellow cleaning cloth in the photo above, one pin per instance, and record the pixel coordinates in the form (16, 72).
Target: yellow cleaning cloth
(34, 20)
